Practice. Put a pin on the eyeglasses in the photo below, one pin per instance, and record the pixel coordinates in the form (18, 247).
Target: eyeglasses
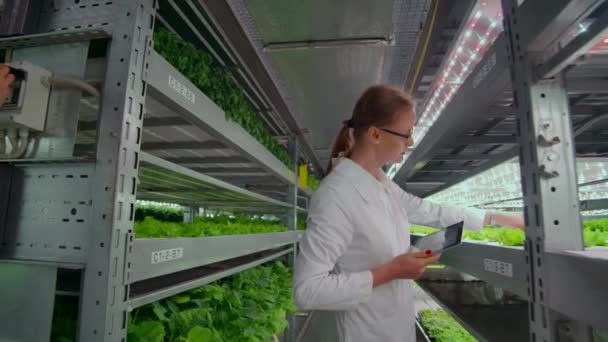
(404, 136)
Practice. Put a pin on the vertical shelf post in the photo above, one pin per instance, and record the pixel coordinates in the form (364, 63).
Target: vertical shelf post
(190, 213)
(548, 176)
(292, 221)
(103, 313)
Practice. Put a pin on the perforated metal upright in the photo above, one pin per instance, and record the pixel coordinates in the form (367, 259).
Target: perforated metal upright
(548, 176)
(78, 215)
(292, 223)
(103, 314)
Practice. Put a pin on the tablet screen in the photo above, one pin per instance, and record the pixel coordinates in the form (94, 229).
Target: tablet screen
(441, 240)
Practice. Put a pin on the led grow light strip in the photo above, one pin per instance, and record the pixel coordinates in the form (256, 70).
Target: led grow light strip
(482, 27)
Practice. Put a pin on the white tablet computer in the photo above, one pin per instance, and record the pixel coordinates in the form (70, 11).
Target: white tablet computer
(441, 240)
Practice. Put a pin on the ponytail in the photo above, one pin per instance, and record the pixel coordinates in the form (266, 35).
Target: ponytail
(342, 145)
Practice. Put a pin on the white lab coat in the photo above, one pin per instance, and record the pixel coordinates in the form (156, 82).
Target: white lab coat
(356, 223)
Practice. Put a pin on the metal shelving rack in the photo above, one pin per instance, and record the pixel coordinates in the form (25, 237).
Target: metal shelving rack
(152, 136)
(536, 98)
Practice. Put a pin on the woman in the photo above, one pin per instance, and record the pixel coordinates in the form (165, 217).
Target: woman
(353, 261)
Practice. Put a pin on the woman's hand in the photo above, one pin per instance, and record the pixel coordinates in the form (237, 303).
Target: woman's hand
(505, 220)
(404, 266)
(6, 79)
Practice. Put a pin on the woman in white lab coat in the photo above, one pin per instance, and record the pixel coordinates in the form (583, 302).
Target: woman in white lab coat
(353, 262)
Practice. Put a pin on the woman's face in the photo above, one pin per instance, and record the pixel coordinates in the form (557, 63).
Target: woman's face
(393, 140)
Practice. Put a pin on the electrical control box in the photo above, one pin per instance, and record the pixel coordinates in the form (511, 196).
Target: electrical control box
(28, 102)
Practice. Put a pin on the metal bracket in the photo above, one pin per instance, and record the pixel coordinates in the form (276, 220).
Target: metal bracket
(546, 137)
(548, 173)
(544, 142)
(550, 166)
(551, 157)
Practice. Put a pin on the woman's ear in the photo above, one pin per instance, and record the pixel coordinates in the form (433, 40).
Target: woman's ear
(350, 139)
(374, 135)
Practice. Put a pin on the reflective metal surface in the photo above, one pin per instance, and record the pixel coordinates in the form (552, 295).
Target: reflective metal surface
(326, 65)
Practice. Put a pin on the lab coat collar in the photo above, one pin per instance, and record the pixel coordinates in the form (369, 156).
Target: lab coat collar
(365, 184)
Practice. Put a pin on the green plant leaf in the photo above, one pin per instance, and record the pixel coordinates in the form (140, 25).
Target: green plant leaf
(160, 311)
(443, 328)
(217, 83)
(146, 331)
(181, 299)
(200, 334)
(249, 306)
(152, 228)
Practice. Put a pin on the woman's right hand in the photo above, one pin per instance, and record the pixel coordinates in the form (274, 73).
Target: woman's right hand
(404, 266)
(412, 265)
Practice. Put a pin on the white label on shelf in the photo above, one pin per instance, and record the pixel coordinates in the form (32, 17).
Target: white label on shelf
(497, 266)
(484, 70)
(181, 89)
(167, 255)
